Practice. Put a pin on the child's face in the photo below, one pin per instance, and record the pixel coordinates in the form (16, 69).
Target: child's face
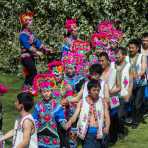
(74, 30)
(94, 92)
(70, 71)
(18, 106)
(46, 94)
(29, 22)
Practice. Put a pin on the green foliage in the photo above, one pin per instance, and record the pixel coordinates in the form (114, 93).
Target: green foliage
(50, 18)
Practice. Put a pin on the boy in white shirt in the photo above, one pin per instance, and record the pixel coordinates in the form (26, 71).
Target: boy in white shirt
(24, 133)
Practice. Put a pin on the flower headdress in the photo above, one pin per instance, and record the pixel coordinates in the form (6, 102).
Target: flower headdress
(105, 26)
(108, 27)
(69, 24)
(25, 16)
(100, 39)
(55, 67)
(74, 60)
(43, 82)
(80, 46)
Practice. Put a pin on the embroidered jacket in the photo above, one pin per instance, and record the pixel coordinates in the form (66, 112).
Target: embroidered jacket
(27, 40)
(62, 90)
(68, 43)
(47, 115)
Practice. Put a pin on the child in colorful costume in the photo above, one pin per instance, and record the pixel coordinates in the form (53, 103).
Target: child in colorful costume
(63, 91)
(76, 81)
(73, 63)
(29, 46)
(72, 31)
(48, 113)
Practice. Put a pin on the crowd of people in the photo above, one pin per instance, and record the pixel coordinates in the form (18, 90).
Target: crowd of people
(88, 96)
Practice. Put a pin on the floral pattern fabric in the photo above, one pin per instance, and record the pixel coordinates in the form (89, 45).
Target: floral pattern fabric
(47, 115)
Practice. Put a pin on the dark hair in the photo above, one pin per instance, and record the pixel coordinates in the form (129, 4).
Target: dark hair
(104, 54)
(123, 50)
(93, 83)
(96, 68)
(136, 42)
(26, 99)
(144, 35)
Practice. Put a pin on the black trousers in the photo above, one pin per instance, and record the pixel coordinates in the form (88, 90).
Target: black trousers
(64, 138)
(122, 114)
(137, 100)
(113, 131)
(29, 64)
(117, 121)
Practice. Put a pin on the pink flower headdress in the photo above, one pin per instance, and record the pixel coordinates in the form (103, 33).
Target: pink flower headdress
(100, 39)
(55, 67)
(107, 26)
(42, 82)
(70, 24)
(75, 60)
(80, 46)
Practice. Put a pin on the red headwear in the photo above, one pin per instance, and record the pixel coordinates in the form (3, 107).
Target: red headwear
(70, 23)
(107, 26)
(25, 16)
(42, 82)
(99, 39)
(55, 67)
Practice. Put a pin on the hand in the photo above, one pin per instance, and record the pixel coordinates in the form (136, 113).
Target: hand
(39, 53)
(33, 49)
(46, 50)
(68, 124)
(106, 130)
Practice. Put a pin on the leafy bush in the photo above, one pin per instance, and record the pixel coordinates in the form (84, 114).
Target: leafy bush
(50, 18)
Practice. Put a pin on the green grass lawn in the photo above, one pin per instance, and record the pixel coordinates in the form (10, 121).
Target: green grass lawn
(137, 138)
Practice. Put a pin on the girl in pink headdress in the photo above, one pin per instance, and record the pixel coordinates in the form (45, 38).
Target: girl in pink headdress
(30, 47)
(49, 114)
(72, 32)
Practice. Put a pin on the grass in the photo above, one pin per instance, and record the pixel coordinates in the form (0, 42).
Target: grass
(137, 138)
